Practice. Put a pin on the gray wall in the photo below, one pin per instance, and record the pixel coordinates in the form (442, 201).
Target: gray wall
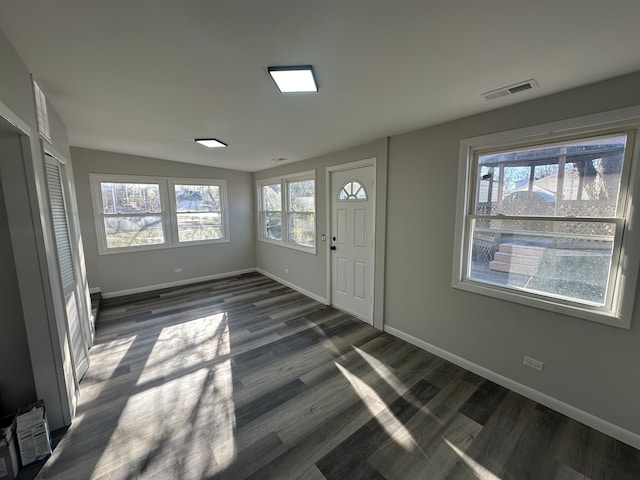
(587, 365)
(40, 334)
(17, 384)
(308, 271)
(135, 270)
(15, 83)
(16, 379)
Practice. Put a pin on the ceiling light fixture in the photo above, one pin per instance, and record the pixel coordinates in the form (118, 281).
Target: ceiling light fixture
(294, 79)
(211, 142)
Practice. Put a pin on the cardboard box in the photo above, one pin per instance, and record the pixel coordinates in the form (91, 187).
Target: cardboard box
(32, 430)
(8, 451)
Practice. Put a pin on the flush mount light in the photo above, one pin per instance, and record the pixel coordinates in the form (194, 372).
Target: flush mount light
(211, 142)
(295, 79)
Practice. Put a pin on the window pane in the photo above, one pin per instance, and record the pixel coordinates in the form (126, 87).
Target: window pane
(489, 185)
(352, 190)
(193, 227)
(272, 225)
(578, 178)
(566, 259)
(302, 196)
(133, 231)
(272, 197)
(197, 198)
(125, 198)
(302, 229)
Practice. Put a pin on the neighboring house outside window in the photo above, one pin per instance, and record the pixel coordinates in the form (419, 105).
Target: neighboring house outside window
(140, 213)
(545, 222)
(295, 227)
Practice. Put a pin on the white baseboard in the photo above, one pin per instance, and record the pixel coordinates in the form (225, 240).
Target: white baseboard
(309, 294)
(178, 283)
(570, 411)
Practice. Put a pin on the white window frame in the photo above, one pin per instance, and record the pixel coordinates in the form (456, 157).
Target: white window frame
(42, 116)
(284, 182)
(618, 309)
(262, 211)
(168, 210)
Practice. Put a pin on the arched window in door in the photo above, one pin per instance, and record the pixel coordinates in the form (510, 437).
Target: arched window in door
(352, 190)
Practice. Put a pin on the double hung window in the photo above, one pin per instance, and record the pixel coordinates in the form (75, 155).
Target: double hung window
(271, 212)
(198, 211)
(545, 222)
(138, 213)
(293, 226)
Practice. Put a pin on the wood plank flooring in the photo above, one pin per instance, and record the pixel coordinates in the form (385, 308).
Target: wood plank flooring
(243, 378)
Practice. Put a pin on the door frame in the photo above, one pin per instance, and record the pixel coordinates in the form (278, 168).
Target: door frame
(73, 225)
(367, 162)
(83, 315)
(34, 270)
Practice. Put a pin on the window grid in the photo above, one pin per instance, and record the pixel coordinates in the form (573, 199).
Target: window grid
(42, 115)
(544, 222)
(140, 213)
(295, 227)
(352, 190)
(271, 211)
(198, 212)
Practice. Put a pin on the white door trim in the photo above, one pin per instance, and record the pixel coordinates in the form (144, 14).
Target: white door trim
(14, 119)
(46, 343)
(367, 162)
(71, 205)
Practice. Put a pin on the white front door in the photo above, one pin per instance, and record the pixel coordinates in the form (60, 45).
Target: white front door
(352, 240)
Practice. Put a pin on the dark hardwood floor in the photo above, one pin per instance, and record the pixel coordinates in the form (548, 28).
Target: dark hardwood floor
(245, 378)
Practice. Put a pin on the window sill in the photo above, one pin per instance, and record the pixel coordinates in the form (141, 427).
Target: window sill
(163, 246)
(544, 303)
(309, 250)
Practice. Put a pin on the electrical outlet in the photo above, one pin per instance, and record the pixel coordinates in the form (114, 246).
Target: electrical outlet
(533, 363)
(286, 270)
(177, 269)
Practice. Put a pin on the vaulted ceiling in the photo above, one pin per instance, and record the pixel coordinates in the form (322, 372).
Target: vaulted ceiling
(146, 77)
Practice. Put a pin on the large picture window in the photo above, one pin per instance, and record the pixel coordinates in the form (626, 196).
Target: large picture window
(139, 213)
(545, 222)
(295, 227)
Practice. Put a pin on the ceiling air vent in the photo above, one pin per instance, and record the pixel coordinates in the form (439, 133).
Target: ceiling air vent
(510, 90)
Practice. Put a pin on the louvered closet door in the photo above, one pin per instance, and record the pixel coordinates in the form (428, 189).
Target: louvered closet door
(65, 262)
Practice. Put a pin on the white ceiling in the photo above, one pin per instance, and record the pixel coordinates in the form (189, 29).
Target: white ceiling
(146, 77)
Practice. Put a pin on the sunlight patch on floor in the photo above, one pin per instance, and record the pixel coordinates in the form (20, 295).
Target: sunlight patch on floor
(324, 340)
(189, 432)
(393, 381)
(478, 470)
(185, 346)
(379, 410)
(384, 371)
